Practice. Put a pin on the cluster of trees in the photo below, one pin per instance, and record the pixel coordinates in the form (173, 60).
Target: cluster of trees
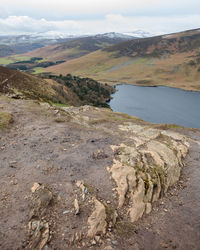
(87, 90)
(28, 65)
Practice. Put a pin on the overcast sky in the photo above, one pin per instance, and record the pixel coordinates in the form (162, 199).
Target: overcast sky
(98, 16)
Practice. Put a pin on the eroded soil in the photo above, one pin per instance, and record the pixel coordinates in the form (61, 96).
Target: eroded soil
(44, 145)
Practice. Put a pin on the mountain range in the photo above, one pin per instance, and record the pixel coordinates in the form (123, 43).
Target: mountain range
(172, 60)
(18, 44)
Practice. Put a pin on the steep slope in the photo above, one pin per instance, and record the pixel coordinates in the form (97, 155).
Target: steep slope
(19, 84)
(172, 60)
(71, 90)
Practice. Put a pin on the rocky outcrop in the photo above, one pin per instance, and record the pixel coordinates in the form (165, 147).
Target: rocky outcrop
(97, 220)
(94, 173)
(125, 178)
(39, 234)
(38, 228)
(145, 171)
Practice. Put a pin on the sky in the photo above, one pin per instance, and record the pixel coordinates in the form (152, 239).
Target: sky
(79, 17)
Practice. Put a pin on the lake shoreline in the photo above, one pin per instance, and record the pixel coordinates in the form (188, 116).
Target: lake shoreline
(155, 86)
(116, 83)
(158, 104)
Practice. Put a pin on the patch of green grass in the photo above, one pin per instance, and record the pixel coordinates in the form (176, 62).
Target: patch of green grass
(124, 228)
(13, 59)
(5, 120)
(167, 126)
(158, 171)
(38, 70)
(109, 212)
(42, 60)
(20, 58)
(174, 126)
(5, 61)
(90, 189)
(59, 104)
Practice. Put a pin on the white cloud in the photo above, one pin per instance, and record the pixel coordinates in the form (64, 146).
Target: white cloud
(60, 9)
(77, 7)
(111, 22)
(98, 16)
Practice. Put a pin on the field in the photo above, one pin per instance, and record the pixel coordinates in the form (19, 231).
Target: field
(12, 59)
(5, 61)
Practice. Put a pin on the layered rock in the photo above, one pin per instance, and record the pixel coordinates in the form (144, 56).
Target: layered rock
(144, 172)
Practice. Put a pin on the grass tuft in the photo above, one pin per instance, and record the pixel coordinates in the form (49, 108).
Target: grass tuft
(5, 120)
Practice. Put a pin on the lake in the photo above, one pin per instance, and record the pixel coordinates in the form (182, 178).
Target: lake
(158, 104)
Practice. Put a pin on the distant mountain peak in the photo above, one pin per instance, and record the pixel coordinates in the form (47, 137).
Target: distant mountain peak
(114, 35)
(139, 34)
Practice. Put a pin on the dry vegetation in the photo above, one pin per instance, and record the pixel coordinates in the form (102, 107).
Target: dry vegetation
(5, 119)
(68, 89)
(171, 60)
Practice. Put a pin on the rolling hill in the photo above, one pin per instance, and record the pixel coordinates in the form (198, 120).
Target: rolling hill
(19, 44)
(70, 90)
(172, 60)
(59, 51)
(77, 47)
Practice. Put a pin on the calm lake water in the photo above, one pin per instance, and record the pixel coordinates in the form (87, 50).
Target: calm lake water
(158, 104)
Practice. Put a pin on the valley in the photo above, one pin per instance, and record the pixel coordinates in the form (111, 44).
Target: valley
(53, 52)
(77, 175)
(171, 60)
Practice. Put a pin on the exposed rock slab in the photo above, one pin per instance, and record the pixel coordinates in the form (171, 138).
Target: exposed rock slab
(145, 171)
(142, 160)
(97, 220)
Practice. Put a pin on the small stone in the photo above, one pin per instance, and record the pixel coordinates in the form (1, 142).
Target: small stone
(34, 187)
(108, 202)
(97, 238)
(12, 162)
(108, 248)
(34, 225)
(114, 242)
(76, 206)
(14, 182)
(66, 212)
(93, 242)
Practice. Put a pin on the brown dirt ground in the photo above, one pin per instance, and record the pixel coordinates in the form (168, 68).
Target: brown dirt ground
(38, 149)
